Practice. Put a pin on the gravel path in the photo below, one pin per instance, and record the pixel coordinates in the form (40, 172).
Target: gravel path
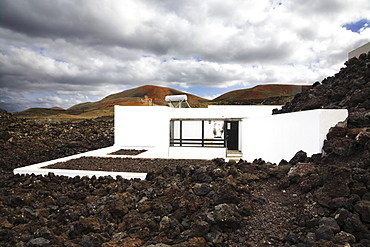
(127, 152)
(125, 164)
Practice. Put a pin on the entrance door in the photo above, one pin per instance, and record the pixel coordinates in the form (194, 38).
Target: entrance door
(232, 135)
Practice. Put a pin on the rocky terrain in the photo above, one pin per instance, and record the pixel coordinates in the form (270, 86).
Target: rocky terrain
(24, 142)
(323, 200)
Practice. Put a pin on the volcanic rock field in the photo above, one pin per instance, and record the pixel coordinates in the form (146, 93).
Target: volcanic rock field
(322, 200)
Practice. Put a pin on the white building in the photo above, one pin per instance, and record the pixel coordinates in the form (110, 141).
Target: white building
(231, 132)
(246, 132)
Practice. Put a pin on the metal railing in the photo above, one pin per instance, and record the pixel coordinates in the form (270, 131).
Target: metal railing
(197, 142)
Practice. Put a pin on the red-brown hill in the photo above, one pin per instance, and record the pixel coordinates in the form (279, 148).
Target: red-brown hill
(260, 93)
(156, 93)
(104, 107)
(136, 96)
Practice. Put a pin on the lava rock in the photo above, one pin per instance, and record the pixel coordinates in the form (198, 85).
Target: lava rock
(336, 131)
(227, 216)
(38, 242)
(339, 146)
(363, 208)
(325, 233)
(340, 202)
(329, 223)
(202, 189)
(300, 156)
(354, 226)
(337, 182)
(344, 238)
(302, 169)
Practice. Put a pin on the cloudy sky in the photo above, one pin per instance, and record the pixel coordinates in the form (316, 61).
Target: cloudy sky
(64, 52)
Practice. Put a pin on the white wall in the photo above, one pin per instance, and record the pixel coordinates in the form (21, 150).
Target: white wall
(196, 113)
(196, 153)
(148, 126)
(224, 111)
(141, 126)
(280, 136)
(358, 51)
(273, 137)
(242, 111)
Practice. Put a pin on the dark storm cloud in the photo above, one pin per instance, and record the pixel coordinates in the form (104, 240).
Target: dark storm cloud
(71, 51)
(42, 18)
(77, 22)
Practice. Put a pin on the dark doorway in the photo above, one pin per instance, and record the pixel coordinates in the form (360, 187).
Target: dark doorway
(232, 135)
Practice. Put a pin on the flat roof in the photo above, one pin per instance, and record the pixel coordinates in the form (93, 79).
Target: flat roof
(208, 119)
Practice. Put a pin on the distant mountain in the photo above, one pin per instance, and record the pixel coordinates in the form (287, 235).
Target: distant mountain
(136, 96)
(140, 96)
(132, 97)
(261, 94)
(40, 112)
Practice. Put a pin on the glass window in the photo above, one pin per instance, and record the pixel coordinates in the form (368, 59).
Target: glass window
(197, 133)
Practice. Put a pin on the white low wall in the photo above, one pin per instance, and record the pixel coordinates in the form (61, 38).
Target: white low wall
(39, 169)
(278, 137)
(358, 51)
(196, 153)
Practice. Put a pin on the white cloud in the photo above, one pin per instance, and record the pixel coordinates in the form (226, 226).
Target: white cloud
(210, 97)
(60, 49)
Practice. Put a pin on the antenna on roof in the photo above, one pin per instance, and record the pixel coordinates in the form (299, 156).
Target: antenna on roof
(177, 101)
